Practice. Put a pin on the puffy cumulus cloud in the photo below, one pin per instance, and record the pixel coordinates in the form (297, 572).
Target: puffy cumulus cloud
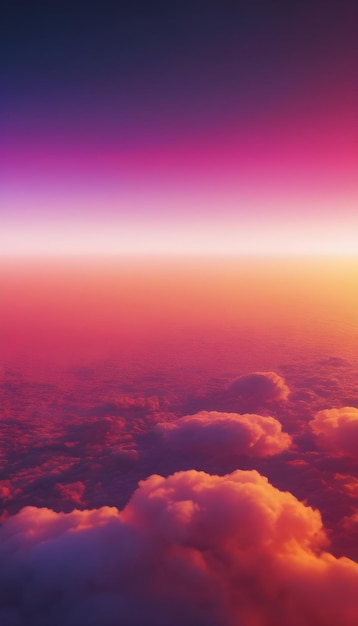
(189, 549)
(250, 393)
(260, 388)
(220, 435)
(337, 430)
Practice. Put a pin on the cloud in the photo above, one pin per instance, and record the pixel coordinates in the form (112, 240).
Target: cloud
(349, 484)
(72, 492)
(260, 387)
(220, 435)
(191, 549)
(337, 430)
(5, 491)
(245, 394)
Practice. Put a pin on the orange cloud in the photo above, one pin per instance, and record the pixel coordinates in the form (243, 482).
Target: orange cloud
(226, 434)
(337, 430)
(191, 549)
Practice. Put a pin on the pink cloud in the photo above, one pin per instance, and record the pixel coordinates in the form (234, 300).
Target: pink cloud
(5, 491)
(349, 484)
(72, 492)
(226, 434)
(260, 387)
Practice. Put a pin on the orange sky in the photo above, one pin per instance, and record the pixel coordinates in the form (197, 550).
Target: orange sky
(82, 308)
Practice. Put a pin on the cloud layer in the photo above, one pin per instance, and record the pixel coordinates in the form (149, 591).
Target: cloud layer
(191, 548)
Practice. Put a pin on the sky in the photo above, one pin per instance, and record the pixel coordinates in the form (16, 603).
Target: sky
(185, 128)
(178, 313)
